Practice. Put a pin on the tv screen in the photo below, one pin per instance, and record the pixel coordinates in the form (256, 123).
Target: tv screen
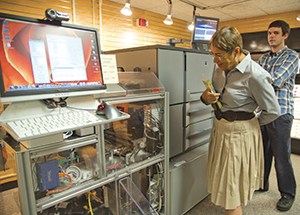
(40, 59)
(204, 28)
(257, 42)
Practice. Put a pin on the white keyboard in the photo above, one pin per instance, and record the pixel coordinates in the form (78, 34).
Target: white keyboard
(46, 125)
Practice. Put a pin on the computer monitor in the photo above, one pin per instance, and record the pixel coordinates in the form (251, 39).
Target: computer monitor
(204, 28)
(41, 59)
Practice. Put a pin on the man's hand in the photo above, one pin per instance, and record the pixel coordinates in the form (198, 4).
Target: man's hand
(210, 97)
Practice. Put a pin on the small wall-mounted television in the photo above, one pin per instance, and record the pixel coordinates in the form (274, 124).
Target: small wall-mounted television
(41, 59)
(204, 28)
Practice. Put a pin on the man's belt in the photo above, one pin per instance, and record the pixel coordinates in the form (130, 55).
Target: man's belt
(234, 115)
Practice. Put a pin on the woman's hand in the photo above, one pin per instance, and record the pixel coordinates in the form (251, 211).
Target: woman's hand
(210, 97)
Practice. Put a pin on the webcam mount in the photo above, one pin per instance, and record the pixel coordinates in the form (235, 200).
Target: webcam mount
(53, 15)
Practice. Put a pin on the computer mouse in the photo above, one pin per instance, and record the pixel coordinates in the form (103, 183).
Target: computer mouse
(108, 110)
(100, 109)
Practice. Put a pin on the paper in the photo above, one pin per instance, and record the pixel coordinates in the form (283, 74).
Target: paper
(208, 83)
(109, 68)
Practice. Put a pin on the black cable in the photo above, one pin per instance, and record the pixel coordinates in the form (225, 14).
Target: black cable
(62, 102)
(49, 103)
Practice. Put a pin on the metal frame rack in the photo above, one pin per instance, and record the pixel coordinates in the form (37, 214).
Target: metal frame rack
(93, 155)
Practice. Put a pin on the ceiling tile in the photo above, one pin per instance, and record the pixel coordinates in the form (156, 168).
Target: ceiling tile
(237, 9)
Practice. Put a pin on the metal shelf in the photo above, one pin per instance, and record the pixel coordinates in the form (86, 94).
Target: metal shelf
(34, 200)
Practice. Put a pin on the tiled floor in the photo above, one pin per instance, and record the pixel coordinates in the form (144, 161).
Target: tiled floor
(261, 203)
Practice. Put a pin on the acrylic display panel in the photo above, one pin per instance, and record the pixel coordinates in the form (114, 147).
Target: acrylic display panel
(61, 172)
(132, 201)
(136, 139)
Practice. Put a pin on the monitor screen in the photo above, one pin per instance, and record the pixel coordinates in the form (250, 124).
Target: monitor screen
(204, 28)
(40, 59)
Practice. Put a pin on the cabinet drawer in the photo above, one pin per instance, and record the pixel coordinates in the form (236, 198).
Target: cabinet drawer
(197, 111)
(198, 133)
(188, 185)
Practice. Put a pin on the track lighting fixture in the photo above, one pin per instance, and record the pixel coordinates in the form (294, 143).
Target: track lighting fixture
(298, 17)
(191, 26)
(126, 9)
(168, 20)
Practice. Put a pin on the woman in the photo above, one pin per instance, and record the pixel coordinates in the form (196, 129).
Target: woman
(235, 159)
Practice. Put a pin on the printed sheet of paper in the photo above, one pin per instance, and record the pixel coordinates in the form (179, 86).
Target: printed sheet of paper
(109, 68)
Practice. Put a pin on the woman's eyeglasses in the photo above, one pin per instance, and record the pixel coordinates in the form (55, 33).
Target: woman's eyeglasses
(218, 57)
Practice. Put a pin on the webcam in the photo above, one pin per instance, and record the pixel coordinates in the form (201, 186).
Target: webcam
(56, 15)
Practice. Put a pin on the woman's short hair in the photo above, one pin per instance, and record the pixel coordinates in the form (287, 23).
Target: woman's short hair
(227, 39)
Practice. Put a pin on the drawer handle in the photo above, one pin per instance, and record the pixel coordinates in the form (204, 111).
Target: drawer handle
(199, 133)
(195, 111)
(199, 144)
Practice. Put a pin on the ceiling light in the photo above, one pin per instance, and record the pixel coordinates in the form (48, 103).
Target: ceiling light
(298, 17)
(168, 20)
(126, 9)
(191, 26)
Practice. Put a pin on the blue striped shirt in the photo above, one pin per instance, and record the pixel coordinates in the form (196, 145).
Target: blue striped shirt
(283, 67)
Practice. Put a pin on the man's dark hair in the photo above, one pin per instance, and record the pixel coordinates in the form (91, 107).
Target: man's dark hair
(281, 24)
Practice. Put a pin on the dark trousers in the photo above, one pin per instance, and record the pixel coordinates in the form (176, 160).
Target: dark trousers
(277, 144)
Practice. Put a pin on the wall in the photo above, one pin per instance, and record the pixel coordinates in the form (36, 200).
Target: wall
(261, 23)
(82, 12)
(118, 31)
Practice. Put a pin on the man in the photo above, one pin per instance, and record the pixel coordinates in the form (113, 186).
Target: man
(282, 63)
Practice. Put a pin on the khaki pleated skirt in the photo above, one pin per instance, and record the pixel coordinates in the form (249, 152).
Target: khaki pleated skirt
(235, 162)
